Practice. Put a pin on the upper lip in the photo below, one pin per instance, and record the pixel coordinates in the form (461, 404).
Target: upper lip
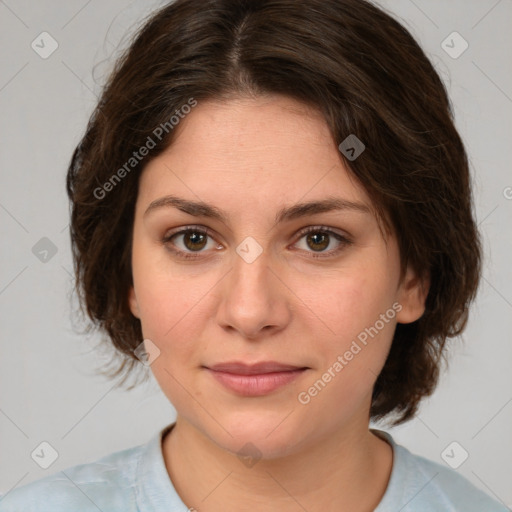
(240, 368)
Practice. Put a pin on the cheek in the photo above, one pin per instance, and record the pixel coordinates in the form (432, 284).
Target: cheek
(163, 298)
(354, 301)
(353, 354)
(166, 309)
(168, 318)
(361, 318)
(161, 301)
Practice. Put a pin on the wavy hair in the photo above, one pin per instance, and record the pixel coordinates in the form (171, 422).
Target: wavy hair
(367, 75)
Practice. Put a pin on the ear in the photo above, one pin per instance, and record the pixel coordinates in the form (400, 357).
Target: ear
(412, 294)
(132, 301)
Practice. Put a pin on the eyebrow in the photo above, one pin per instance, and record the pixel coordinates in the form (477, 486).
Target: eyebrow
(288, 213)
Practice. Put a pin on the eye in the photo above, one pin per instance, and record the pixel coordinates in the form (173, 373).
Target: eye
(193, 239)
(321, 237)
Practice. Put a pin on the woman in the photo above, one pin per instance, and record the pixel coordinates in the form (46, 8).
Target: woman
(271, 208)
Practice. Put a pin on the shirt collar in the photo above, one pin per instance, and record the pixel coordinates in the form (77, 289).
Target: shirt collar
(395, 489)
(153, 488)
(156, 493)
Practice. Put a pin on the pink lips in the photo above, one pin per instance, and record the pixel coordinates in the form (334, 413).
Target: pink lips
(256, 379)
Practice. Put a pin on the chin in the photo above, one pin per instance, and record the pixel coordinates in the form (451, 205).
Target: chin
(263, 435)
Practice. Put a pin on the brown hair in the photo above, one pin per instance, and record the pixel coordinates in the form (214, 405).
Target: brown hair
(367, 75)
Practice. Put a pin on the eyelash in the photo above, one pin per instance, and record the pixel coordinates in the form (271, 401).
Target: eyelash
(344, 241)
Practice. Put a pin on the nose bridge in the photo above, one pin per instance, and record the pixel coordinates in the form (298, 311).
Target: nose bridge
(252, 272)
(252, 296)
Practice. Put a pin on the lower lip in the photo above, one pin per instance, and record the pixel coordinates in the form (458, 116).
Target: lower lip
(256, 385)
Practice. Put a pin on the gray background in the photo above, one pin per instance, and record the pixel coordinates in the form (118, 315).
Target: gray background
(48, 388)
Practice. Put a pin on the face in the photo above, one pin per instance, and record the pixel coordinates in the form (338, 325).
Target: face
(256, 279)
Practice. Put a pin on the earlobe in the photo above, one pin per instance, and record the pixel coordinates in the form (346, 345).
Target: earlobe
(132, 301)
(413, 293)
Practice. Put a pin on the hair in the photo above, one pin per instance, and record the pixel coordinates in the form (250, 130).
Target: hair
(367, 75)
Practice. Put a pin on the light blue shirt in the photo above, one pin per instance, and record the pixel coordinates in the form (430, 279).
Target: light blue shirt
(136, 480)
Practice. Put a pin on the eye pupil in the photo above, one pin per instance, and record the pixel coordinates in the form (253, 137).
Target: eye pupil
(319, 238)
(196, 238)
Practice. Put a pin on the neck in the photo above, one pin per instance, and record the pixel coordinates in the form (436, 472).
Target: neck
(347, 471)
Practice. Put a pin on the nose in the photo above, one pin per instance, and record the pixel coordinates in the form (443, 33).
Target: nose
(255, 302)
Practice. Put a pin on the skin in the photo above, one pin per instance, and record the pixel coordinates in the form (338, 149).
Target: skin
(250, 157)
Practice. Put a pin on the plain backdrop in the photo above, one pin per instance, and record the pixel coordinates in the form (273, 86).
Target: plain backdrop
(48, 387)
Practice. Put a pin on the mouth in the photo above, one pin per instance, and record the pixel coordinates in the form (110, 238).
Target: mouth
(256, 379)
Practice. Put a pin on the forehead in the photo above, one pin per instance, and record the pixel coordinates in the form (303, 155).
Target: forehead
(243, 152)
(258, 129)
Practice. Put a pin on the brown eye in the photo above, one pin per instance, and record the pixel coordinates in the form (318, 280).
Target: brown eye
(318, 239)
(185, 242)
(194, 240)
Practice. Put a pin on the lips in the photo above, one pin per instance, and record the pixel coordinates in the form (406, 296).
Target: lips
(254, 379)
(239, 368)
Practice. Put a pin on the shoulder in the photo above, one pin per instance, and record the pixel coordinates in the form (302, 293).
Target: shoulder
(106, 484)
(418, 483)
(446, 487)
